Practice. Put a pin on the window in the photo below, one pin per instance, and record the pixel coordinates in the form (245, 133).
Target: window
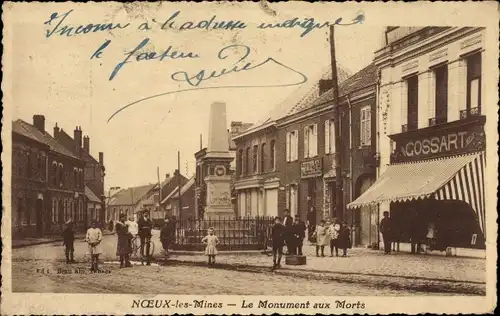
(263, 157)
(54, 211)
(156, 199)
(240, 162)
(32, 211)
(441, 97)
(365, 133)
(248, 203)
(255, 158)
(292, 144)
(329, 137)
(21, 210)
(310, 141)
(60, 175)
(29, 167)
(54, 173)
(80, 207)
(412, 83)
(247, 161)
(82, 179)
(75, 177)
(474, 82)
(272, 155)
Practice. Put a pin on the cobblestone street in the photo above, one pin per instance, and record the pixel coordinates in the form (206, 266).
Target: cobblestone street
(364, 272)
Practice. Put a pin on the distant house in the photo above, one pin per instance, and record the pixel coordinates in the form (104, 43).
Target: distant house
(171, 202)
(125, 201)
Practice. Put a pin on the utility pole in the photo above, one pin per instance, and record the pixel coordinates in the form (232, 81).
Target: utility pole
(339, 203)
(159, 188)
(179, 180)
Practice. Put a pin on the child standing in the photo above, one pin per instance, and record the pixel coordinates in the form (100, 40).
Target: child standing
(333, 231)
(322, 238)
(344, 240)
(94, 238)
(211, 241)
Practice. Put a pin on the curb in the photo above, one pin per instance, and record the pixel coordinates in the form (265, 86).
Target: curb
(219, 252)
(43, 242)
(394, 282)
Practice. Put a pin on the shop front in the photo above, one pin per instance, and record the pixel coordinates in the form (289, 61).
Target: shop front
(311, 187)
(435, 185)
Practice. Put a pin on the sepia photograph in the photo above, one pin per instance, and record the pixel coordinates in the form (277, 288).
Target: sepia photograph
(247, 157)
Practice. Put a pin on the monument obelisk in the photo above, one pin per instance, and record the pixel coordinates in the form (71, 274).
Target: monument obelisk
(218, 160)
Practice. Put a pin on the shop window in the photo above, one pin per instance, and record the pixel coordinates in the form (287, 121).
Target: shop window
(310, 141)
(329, 137)
(272, 155)
(263, 157)
(365, 133)
(412, 84)
(441, 95)
(474, 84)
(292, 144)
(255, 158)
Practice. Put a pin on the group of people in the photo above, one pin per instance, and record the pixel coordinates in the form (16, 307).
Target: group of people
(126, 231)
(332, 233)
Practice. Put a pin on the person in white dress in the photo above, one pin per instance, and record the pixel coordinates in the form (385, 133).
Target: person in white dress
(211, 241)
(333, 231)
(132, 225)
(94, 238)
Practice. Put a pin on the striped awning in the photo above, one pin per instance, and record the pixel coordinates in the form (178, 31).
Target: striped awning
(452, 178)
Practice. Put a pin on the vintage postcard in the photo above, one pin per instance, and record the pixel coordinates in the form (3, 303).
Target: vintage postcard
(249, 157)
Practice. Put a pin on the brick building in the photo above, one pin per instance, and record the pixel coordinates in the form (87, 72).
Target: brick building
(171, 202)
(94, 173)
(65, 193)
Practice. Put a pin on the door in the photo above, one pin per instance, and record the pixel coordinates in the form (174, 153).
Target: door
(39, 217)
(367, 218)
(272, 202)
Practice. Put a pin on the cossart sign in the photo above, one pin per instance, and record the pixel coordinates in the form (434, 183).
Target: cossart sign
(423, 144)
(311, 168)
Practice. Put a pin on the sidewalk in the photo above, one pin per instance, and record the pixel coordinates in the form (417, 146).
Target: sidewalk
(363, 262)
(26, 242)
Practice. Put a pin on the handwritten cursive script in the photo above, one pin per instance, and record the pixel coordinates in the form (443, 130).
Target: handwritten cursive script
(204, 75)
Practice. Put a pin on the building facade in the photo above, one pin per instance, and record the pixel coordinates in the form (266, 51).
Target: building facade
(171, 202)
(430, 131)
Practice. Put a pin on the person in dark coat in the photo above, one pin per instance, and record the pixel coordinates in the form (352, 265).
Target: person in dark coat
(386, 229)
(414, 230)
(278, 238)
(145, 226)
(68, 236)
(311, 222)
(299, 232)
(289, 237)
(344, 240)
(166, 234)
(123, 247)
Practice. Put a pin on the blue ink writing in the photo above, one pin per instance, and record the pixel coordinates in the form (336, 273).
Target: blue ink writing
(309, 24)
(61, 29)
(168, 53)
(203, 75)
(211, 24)
(98, 52)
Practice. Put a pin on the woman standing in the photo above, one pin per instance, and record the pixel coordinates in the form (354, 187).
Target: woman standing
(333, 231)
(344, 240)
(322, 238)
(123, 246)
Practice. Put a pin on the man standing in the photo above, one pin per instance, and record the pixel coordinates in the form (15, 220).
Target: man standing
(166, 234)
(145, 226)
(299, 233)
(278, 236)
(311, 222)
(386, 230)
(68, 235)
(289, 238)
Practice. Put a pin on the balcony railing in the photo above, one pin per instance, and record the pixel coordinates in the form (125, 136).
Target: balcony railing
(464, 114)
(437, 120)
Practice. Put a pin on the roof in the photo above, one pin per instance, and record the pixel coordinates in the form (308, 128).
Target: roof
(417, 180)
(21, 127)
(130, 196)
(184, 188)
(363, 78)
(91, 196)
(85, 155)
(301, 99)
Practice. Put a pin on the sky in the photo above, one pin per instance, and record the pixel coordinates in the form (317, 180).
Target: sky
(56, 76)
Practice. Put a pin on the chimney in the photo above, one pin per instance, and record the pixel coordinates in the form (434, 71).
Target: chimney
(56, 131)
(167, 176)
(86, 144)
(39, 122)
(78, 137)
(101, 158)
(325, 85)
(176, 172)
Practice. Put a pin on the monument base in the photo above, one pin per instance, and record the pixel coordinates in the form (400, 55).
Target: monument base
(215, 213)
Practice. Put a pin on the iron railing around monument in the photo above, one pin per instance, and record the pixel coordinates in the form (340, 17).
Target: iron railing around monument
(241, 233)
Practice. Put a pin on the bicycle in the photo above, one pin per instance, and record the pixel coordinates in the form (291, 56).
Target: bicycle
(136, 246)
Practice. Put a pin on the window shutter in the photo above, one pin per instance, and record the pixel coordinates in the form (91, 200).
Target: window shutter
(288, 143)
(332, 136)
(295, 145)
(327, 137)
(368, 127)
(315, 140)
(306, 142)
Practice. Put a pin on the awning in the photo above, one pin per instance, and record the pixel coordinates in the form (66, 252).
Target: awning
(453, 178)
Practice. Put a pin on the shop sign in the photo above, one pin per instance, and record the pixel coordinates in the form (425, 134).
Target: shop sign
(435, 143)
(311, 168)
